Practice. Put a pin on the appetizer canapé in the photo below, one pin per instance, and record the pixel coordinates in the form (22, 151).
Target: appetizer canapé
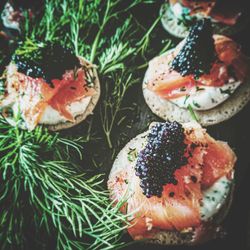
(49, 86)
(15, 11)
(176, 181)
(205, 72)
(227, 16)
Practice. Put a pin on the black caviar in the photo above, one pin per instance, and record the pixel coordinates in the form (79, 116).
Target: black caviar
(198, 53)
(161, 157)
(48, 62)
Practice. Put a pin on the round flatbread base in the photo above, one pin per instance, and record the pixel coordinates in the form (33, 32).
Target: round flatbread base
(176, 28)
(89, 109)
(207, 231)
(170, 111)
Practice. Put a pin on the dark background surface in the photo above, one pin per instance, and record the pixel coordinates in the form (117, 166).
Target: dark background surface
(235, 131)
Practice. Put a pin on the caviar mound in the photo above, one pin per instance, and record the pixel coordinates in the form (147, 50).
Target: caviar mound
(161, 157)
(198, 53)
(50, 61)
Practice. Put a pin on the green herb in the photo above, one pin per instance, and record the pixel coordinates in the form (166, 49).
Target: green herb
(186, 98)
(144, 42)
(2, 86)
(192, 113)
(112, 104)
(199, 88)
(55, 193)
(197, 105)
(117, 51)
(213, 100)
(228, 91)
(132, 154)
(29, 47)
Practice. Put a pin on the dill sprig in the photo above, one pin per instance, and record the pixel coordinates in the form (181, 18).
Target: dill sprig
(112, 104)
(119, 75)
(192, 113)
(118, 49)
(62, 200)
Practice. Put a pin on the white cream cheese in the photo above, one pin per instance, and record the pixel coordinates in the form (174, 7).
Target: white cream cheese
(206, 97)
(177, 9)
(52, 116)
(215, 197)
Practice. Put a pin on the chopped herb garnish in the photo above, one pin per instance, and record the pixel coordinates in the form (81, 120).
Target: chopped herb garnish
(197, 105)
(192, 113)
(213, 100)
(199, 88)
(228, 91)
(186, 98)
(2, 86)
(132, 154)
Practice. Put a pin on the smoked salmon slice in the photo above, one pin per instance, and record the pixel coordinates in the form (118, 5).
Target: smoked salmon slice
(179, 206)
(218, 161)
(170, 84)
(75, 88)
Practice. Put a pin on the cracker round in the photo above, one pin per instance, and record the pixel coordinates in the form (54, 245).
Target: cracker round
(176, 28)
(193, 236)
(87, 111)
(170, 111)
(91, 105)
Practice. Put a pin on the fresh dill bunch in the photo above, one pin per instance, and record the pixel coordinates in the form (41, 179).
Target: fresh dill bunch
(112, 104)
(65, 203)
(118, 49)
(118, 66)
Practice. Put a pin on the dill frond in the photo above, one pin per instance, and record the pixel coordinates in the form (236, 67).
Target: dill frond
(62, 200)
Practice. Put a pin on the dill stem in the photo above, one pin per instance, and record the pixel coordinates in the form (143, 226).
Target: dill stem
(109, 140)
(142, 66)
(146, 36)
(95, 44)
(97, 38)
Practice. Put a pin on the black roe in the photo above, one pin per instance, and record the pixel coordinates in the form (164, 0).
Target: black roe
(198, 53)
(49, 62)
(161, 157)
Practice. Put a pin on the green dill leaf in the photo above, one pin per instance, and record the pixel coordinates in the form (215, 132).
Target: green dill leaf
(132, 154)
(197, 105)
(192, 113)
(227, 91)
